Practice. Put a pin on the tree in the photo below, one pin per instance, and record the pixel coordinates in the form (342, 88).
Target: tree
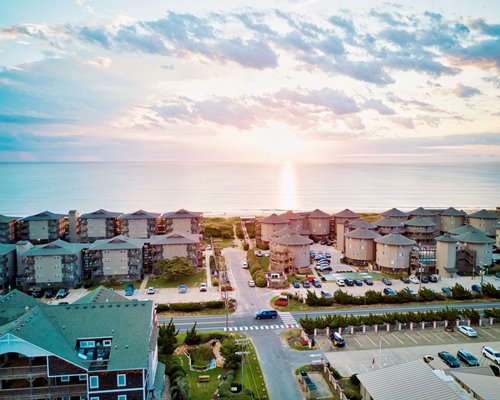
(174, 267)
(180, 388)
(192, 337)
(228, 350)
(169, 338)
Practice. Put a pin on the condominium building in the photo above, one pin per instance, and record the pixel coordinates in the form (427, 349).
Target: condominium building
(360, 246)
(485, 221)
(57, 263)
(497, 229)
(395, 215)
(7, 266)
(140, 224)
(298, 250)
(97, 225)
(117, 258)
(172, 245)
(360, 224)
(421, 229)
(102, 347)
(297, 221)
(481, 247)
(393, 253)
(182, 221)
(433, 215)
(388, 225)
(44, 227)
(450, 219)
(446, 256)
(319, 224)
(342, 219)
(8, 229)
(266, 226)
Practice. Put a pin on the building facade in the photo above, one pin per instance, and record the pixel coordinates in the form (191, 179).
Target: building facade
(342, 219)
(395, 215)
(319, 224)
(451, 219)
(8, 232)
(295, 248)
(97, 225)
(485, 221)
(421, 229)
(44, 227)
(267, 226)
(360, 246)
(182, 221)
(165, 247)
(446, 256)
(387, 225)
(393, 253)
(140, 224)
(8, 266)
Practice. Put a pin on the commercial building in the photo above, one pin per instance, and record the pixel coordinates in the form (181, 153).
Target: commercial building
(485, 221)
(102, 347)
(393, 253)
(97, 225)
(140, 224)
(7, 266)
(8, 234)
(360, 246)
(43, 227)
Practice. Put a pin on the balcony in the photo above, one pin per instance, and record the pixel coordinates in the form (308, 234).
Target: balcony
(22, 372)
(44, 392)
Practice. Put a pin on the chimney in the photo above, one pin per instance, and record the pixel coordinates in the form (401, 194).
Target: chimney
(73, 227)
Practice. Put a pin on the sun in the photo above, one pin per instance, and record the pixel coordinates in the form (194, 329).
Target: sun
(278, 141)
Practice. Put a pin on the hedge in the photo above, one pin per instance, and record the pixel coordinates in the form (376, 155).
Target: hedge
(217, 304)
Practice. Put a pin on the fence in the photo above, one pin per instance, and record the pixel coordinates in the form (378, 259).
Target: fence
(209, 366)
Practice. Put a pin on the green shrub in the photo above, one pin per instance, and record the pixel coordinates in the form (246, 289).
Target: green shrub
(216, 304)
(260, 279)
(458, 292)
(246, 246)
(186, 307)
(489, 290)
(354, 379)
(492, 313)
(87, 283)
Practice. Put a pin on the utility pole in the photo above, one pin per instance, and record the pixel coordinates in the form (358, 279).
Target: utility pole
(242, 353)
(221, 267)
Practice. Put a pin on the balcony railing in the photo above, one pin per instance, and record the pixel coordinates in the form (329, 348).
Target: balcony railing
(22, 372)
(44, 392)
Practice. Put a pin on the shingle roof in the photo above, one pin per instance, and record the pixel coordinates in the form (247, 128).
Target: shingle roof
(421, 212)
(101, 295)
(486, 387)
(484, 214)
(6, 248)
(4, 219)
(395, 239)
(346, 214)
(474, 237)
(453, 212)
(285, 231)
(362, 233)
(171, 238)
(319, 214)
(118, 242)
(182, 213)
(361, 224)
(447, 239)
(394, 212)
(56, 248)
(140, 214)
(13, 305)
(290, 215)
(386, 222)
(292, 239)
(419, 221)
(391, 383)
(273, 219)
(101, 214)
(463, 229)
(127, 323)
(44, 216)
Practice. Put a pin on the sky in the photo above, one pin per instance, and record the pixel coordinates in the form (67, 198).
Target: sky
(231, 80)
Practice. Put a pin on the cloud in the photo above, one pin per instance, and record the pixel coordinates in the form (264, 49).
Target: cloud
(251, 53)
(19, 119)
(335, 101)
(377, 105)
(345, 24)
(406, 122)
(100, 62)
(466, 91)
(485, 28)
(95, 35)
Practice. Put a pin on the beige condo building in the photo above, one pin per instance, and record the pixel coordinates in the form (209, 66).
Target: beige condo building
(450, 219)
(446, 256)
(395, 215)
(421, 229)
(44, 227)
(319, 224)
(387, 225)
(360, 246)
(98, 225)
(393, 253)
(172, 245)
(290, 252)
(485, 221)
(267, 226)
(182, 221)
(139, 225)
(341, 219)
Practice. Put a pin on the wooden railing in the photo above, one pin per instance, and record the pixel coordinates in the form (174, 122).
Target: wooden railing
(22, 372)
(44, 392)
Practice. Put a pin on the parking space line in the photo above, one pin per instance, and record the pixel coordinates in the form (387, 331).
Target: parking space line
(423, 337)
(368, 337)
(358, 342)
(409, 337)
(455, 339)
(489, 334)
(436, 336)
(495, 329)
(384, 339)
(398, 339)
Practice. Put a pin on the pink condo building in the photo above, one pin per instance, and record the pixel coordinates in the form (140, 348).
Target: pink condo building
(360, 246)
(266, 226)
(393, 253)
(297, 221)
(319, 224)
(342, 219)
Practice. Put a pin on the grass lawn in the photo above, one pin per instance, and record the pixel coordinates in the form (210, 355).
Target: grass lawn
(115, 285)
(201, 390)
(192, 280)
(254, 379)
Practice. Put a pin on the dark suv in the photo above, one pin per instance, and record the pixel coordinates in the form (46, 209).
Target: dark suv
(467, 358)
(266, 314)
(449, 359)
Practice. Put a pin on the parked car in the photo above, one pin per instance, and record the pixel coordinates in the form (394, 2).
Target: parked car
(49, 294)
(37, 294)
(414, 279)
(424, 279)
(491, 353)
(251, 283)
(358, 282)
(244, 264)
(405, 279)
(325, 268)
(182, 288)
(306, 284)
(428, 358)
(368, 281)
(129, 289)
(316, 283)
(449, 359)
(326, 295)
(467, 358)
(296, 284)
(62, 293)
(349, 282)
(446, 291)
(337, 339)
(340, 282)
(203, 287)
(389, 292)
(209, 247)
(152, 290)
(266, 314)
(411, 291)
(476, 288)
(387, 281)
(467, 331)
(328, 254)
(433, 278)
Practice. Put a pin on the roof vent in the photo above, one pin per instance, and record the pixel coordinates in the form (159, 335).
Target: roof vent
(112, 331)
(116, 346)
(64, 327)
(126, 346)
(26, 308)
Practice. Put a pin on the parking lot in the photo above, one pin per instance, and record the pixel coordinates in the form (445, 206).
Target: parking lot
(375, 350)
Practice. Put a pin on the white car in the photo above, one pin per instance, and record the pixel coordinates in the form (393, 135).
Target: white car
(491, 353)
(251, 283)
(340, 282)
(209, 247)
(467, 330)
(244, 264)
(203, 287)
(151, 290)
(414, 279)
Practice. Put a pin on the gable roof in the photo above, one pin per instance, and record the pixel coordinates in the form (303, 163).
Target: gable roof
(391, 383)
(273, 219)
(6, 248)
(394, 212)
(56, 248)
(14, 304)
(5, 220)
(116, 243)
(486, 387)
(395, 239)
(182, 213)
(44, 216)
(101, 214)
(140, 214)
(318, 214)
(171, 238)
(346, 214)
(484, 214)
(419, 221)
(362, 233)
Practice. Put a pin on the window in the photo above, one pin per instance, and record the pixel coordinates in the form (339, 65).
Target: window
(122, 380)
(94, 398)
(122, 397)
(64, 378)
(94, 382)
(87, 344)
(106, 343)
(83, 377)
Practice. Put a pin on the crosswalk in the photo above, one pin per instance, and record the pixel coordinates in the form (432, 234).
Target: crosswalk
(289, 322)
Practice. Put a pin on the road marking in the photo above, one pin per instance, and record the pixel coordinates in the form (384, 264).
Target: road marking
(266, 326)
(358, 342)
(424, 337)
(496, 330)
(409, 337)
(398, 339)
(282, 326)
(368, 337)
(489, 334)
(251, 328)
(437, 336)
(384, 339)
(446, 333)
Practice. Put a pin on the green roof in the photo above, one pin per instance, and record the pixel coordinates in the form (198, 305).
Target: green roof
(171, 238)
(453, 212)
(447, 239)
(44, 216)
(463, 229)
(474, 237)
(5, 220)
(394, 212)
(6, 248)
(387, 222)
(14, 304)
(159, 382)
(127, 323)
(421, 212)
(57, 248)
(362, 233)
(101, 295)
(120, 242)
(395, 239)
(419, 221)
(484, 214)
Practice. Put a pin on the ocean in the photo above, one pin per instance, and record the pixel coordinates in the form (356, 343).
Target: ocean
(220, 188)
